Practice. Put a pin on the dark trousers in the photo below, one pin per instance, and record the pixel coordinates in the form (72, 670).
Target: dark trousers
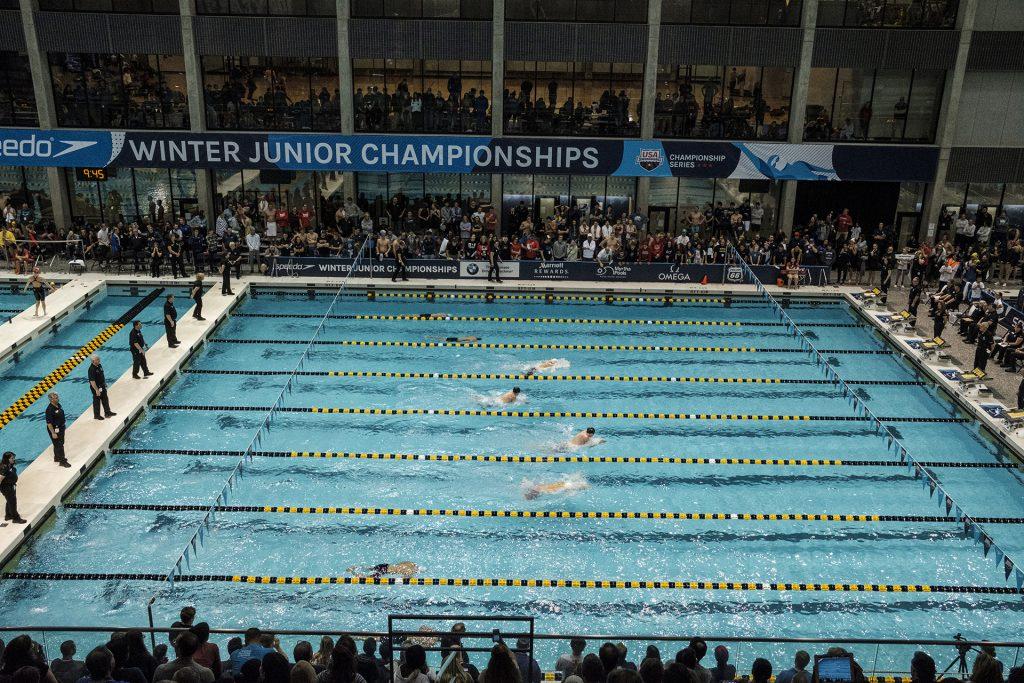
(225, 287)
(178, 265)
(154, 267)
(399, 271)
(1020, 396)
(136, 260)
(138, 361)
(58, 447)
(100, 400)
(198, 312)
(493, 270)
(10, 495)
(170, 330)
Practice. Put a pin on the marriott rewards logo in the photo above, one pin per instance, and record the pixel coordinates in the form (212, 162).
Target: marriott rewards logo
(358, 154)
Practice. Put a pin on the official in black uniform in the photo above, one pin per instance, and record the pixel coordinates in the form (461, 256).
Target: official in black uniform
(398, 249)
(176, 250)
(98, 385)
(55, 425)
(138, 347)
(156, 257)
(171, 322)
(493, 261)
(8, 485)
(197, 296)
(232, 259)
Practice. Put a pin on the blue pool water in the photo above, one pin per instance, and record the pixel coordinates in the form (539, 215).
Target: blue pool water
(14, 299)
(279, 544)
(27, 433)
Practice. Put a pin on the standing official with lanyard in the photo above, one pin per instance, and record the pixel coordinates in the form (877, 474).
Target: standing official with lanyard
(197, 296)
(138, 347)
(98, 384)
(56, 422)
(171, 322)
(8, 486)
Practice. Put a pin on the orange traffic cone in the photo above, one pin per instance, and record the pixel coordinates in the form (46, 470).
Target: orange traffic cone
(704, 280)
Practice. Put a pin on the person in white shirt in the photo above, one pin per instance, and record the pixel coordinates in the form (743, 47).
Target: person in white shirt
(604, 257)
(252, 241)
(366, 224)
(606, 230)
(983, 234)
(589, 247)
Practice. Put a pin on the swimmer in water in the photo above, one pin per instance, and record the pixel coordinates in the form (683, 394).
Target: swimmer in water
(377, 571)
(545, 365)
(466, 339)
(434, 316)
(583, 438)
(567, 485)
(510, 396)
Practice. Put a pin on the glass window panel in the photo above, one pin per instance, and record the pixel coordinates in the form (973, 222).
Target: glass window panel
(49, 5)
(440, 9)
(770, 103)
(403, 8)
(118, 198)
(153, 185)
(38, 185)
(710, 12)
(517, 183)
(954, 194)
(889, 105)
(477, 9)
(784, 12)
(11, 186)
(663, 191)
(925, 101)
(831, 12)
(85, 198)
(409, 184)
(584, 186)
(17, 98)
(634, 12)
(595, 10)
(183, 191)
(372, 186)
(367, 8)
(982, 200)
(1013, 204)
(675, 11)
(695, 192)
(213, 6)
(441, 184)
(752, 12)
(477, 186)
(820, 93)
(93, 5)
(551, 185)
(853, 107)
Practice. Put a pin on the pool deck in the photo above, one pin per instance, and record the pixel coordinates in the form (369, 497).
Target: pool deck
(42, 484)
(24, 327)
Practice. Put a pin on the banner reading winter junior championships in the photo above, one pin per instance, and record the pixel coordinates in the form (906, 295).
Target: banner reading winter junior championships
(465, 154)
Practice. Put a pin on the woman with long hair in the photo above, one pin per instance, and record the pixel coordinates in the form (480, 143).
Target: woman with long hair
(322, 658)
(501, 667)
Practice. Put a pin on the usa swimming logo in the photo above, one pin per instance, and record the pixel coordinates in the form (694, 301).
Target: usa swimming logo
(649, 159)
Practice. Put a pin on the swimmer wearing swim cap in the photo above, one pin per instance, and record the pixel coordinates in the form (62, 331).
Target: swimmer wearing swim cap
(510, 396)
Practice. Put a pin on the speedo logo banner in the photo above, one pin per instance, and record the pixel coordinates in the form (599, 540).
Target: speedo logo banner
(464, 154)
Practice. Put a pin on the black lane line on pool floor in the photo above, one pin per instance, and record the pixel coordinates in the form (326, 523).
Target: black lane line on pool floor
(440, 317)
(540, 514)
(548, 459)
(548, 378)
(572, 414)
(521, 583)
(559, 347)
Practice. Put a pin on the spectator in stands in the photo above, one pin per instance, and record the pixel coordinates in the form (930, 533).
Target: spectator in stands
(138, 656)
(800, 662)
(502, 667)
(208, 654)
(322, 659)
(22, 652)
(591, 670)
(761, 671)
(986, 669)
(624, 663)
(342, 668)
(652, 670)
(185, 646)
(252, 649)
(118, 647)
(700, 648)
(367, 663)
(529, 669)
(568, 663)
(723, 671)
(100, 665)
(922, 668)
(302, 672)
(67, 669)
(623, 675)
(275, 668)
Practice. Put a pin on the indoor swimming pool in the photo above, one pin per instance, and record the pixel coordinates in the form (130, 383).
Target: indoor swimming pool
(717, 435)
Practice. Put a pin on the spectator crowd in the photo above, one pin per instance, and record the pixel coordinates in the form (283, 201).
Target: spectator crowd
(258, 657)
